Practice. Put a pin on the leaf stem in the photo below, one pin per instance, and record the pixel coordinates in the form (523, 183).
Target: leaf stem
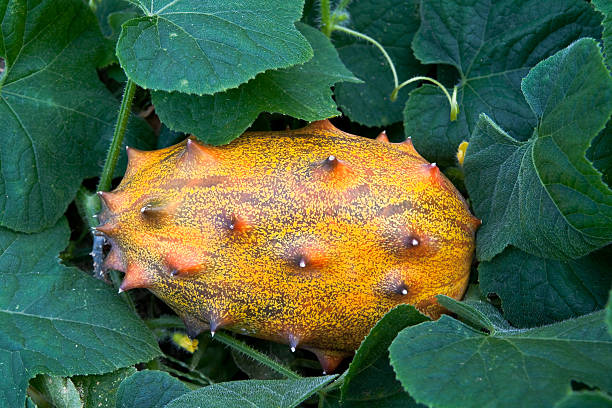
(326, 23)
(377, 44)
(115, 147)
(452, 100)
(168, 322)
(254, 354)
(191, 370)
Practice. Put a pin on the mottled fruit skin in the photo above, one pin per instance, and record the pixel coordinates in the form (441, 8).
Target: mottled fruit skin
(305, 237)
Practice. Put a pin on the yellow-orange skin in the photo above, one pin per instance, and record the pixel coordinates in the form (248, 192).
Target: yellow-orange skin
(270, 237)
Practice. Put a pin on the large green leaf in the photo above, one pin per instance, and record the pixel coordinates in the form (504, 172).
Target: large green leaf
(253, 393)
(392, 23)
(370, 380)
(149, 389)
(492, 45)
(449, 364)
(205, 47)
(605, 7)
(302, 91)
(56, 118)
(542, 195)
(536, 291)
(57, 320)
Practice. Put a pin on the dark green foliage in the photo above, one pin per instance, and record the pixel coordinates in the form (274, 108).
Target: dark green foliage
(301, 91)
(535, 99)
(543, 196)
(54, 319)
(393, 24)
(492, 45)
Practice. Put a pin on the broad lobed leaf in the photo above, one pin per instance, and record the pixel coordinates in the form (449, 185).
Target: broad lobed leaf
(56, 117)
(301, 91)
(205, 47)
(542, 195)
(492, 44)
(449, 364)
(56, 320)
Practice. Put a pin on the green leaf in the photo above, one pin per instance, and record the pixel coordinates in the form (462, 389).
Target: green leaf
(605, 7)
(56, 117)
(492, 45)
(302, 91)
(202, 48)
(370, 380)
(393, 24)
(57, 320)
(585, 399)
(149, 389)
(58, 391)
(536, 291)
(100, 391)
(449, 364)
(253, 393)
(542, 195)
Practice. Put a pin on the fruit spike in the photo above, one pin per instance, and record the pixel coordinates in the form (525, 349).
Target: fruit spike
(135, 277)
(108, 200)
(195, 153)
(107, 229)
(408, 147)
(433, 171)
(382, 137)
(135, 157)
(329, 362)
(293, 342)
(336, 169)
(306, 237)
(239, 224)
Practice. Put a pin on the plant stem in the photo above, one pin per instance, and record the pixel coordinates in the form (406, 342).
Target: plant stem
(178, 373)
(168, 322)
(191, 370)
(376, 43)
(326, 22)
(254, 354)
(115, 147)
(451, 100)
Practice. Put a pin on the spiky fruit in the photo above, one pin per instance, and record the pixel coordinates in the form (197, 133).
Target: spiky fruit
(305, 237)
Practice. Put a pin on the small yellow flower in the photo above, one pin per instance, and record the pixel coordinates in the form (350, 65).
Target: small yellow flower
(184, 342)
(461, 152)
